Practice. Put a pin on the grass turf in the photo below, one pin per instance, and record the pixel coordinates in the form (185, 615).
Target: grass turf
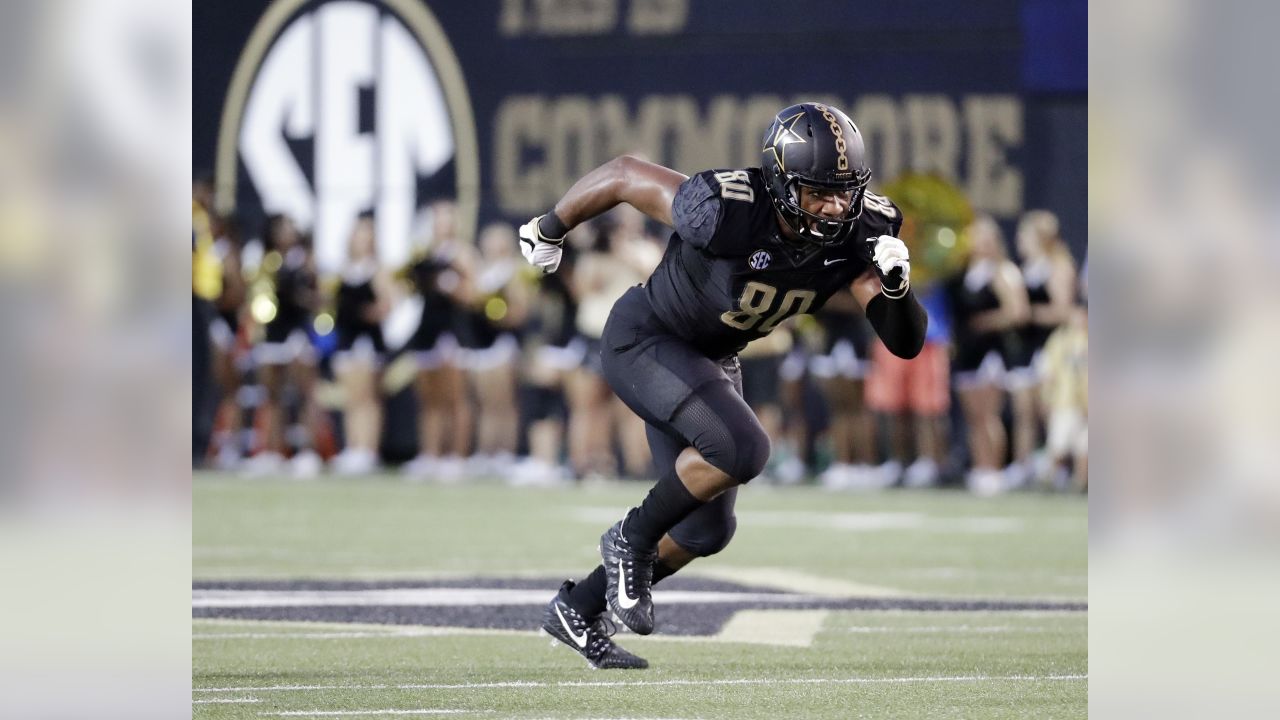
(860, 663)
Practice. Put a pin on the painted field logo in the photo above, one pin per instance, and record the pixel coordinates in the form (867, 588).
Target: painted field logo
(693, 606)
(340, 106)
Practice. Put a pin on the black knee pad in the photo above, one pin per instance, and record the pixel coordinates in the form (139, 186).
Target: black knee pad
(706, 538)
(717, 422)
(753, 453)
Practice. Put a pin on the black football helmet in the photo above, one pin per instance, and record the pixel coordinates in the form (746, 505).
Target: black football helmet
(818, 146)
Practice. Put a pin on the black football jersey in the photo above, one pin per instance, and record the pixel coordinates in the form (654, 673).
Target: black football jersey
(728, 276)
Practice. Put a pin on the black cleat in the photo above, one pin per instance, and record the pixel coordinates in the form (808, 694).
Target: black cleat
(590, 638)
(630, 573)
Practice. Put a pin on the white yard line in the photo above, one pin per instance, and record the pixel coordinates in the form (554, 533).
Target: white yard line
(888, 629)
(228, 701)
(665, 683)
(433, 632)
(444, 597)
(366, 713)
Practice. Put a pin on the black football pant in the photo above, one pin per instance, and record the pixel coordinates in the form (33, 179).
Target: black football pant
(686, 400)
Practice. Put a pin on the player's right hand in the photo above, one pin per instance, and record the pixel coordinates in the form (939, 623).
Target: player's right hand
(541, 252)
(892, 262)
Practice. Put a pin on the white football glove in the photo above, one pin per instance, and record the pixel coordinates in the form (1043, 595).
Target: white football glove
(893, 265)
(542, 253)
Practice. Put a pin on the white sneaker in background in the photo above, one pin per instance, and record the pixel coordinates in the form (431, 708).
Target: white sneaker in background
(1042, 468)
(306, 464)
(533, 472)
(923, 473)
(886, 474)
(985, 483)
(228, 458)
(1016, 476)
(839, 476)
(477, 466)
(262, 464)
(790, 471)
(451, 469)
(422, 467)
(354, 461)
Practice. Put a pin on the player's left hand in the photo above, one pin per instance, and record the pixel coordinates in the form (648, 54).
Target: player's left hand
(542, 253)
(892, 262)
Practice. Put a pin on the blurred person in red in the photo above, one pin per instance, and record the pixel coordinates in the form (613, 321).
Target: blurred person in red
(284, 298)
(1049, 272)
(915, 396)
(365, 296)
(442, 277)
(988, 301)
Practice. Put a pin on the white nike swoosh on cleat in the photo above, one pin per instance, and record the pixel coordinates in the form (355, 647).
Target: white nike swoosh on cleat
(833, 261)
(626, 603)
(581, 641)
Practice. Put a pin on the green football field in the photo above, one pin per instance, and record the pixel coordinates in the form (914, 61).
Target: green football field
(375, 597)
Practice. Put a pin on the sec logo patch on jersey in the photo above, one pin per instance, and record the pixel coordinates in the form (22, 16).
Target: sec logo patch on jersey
(759, 260)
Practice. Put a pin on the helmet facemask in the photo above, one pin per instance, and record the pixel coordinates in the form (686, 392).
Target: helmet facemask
(816, 146)
(815, 228)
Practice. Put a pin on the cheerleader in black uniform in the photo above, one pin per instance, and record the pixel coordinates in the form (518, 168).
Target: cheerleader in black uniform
(285, 298)
(497, 309)
(1049, 272)
(363, 301)
(229, 358)
(842, 370)
(550, 351)
(988, 301)
(442, 278)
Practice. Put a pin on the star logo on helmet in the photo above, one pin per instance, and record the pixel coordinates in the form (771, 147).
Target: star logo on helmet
(784, 137)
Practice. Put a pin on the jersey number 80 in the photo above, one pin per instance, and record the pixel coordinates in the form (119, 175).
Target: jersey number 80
(757, 302)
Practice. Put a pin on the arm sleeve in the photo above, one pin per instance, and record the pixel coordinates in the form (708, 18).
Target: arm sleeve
(901, 324)
(697, 211)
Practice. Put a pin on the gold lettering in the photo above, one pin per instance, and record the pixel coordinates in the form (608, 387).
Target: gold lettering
(994, 124)
(520, 127)
(754, 119)
(558, 17)
(657, 17)
(878, 121)
(934, 131)
(572, 150)
(511, 21)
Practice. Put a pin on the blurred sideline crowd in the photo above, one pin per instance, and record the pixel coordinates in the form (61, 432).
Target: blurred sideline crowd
(488, 370)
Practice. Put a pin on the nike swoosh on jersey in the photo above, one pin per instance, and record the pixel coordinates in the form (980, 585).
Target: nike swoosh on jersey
(626, 603)
(833, 261)
(581, 641)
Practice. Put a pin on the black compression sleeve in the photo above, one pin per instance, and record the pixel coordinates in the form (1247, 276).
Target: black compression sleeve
(901, 324)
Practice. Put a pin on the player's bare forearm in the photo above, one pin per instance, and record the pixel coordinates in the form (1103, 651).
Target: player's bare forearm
(646, 186)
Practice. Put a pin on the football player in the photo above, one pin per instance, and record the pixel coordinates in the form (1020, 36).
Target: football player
(751, 248)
